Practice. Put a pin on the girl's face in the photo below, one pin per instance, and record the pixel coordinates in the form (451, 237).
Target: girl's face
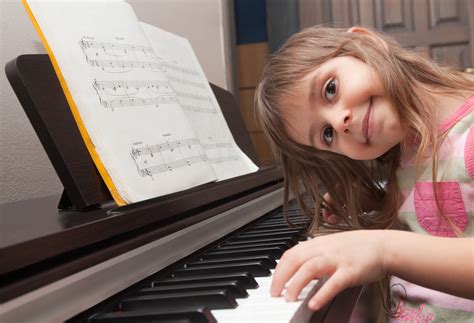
(342, 107)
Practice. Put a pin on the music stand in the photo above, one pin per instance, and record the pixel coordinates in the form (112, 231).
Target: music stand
(36, 85)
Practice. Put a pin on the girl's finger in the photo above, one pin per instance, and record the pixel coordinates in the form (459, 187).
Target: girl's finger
(333, 286)
(311, 269)
(287, 266)
(327, 198)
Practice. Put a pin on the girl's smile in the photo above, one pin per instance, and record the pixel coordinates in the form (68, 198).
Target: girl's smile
(341, 106)
(366, 127)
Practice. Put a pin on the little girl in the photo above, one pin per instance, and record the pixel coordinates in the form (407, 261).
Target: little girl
(378, 136)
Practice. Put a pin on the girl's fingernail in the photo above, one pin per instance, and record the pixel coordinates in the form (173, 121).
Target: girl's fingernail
(314, 305)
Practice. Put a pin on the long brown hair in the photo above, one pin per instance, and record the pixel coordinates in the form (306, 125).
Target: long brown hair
(365, 194)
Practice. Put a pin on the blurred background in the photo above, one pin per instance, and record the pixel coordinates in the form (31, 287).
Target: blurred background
(232, 40)
(442, 29)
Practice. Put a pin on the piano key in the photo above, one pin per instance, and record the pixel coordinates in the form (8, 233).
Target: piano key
(268, 235)
(267, 261)
(275, 252)
(258, 231)
(281, 219)
(258, 244)
(299, 224)
(199, 314)
(256, 268)
(214, 299)
(245, 279)
(291, 241)
(283, 222)
(261, 307)
(233, 287)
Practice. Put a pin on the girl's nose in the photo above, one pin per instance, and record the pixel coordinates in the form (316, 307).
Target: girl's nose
(343, 121)
(347, 120)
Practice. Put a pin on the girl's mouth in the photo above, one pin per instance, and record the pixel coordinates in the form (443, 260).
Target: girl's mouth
(366, 130)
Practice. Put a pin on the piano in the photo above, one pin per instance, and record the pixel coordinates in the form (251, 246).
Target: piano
(201, 255)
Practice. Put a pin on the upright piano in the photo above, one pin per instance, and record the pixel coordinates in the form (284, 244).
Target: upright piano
(201, 255)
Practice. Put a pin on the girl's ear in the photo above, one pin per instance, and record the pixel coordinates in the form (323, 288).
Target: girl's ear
(368, 33)
(358, 29)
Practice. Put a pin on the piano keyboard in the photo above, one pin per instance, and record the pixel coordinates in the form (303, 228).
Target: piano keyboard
(228, 282)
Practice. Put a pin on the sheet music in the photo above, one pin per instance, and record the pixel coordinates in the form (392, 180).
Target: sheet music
(130, 108)
(199, 103)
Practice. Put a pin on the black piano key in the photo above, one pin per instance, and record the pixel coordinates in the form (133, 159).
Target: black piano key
(268, 235)
(271, 230)
(267, 261)
(297, 225)
(283, 221)
(275, 252)
(245, 279)
(253, 245)
(289, 240)
(256, 268)
(194, 315)
(214, 299)
(287, 232)
(233, 287)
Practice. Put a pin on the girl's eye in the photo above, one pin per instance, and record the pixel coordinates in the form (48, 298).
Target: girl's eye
(328, 135)
(330, 90)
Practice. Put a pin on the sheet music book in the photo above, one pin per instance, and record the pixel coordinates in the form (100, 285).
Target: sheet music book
(140, 98)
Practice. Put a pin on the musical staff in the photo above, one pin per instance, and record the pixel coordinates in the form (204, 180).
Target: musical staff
(166, 167)
(125, 85)
(127, 57)
(181, 69)
(167, 156)
(217, 145)
(224, 159)
(125, 65)
(138, 102)
(194, 108)
(112, 46)
(168, 146)
(187, 95)
(134, 93)
(187, 82)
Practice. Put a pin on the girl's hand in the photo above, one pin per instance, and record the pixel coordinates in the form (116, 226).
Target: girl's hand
(347, 259)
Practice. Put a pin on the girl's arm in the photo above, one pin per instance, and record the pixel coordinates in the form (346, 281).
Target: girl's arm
(444, 264)
(358, 257)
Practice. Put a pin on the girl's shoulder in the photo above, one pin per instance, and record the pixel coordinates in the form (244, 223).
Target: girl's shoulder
(462, 112)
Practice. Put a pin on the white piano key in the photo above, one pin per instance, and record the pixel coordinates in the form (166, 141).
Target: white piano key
(259, 306)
